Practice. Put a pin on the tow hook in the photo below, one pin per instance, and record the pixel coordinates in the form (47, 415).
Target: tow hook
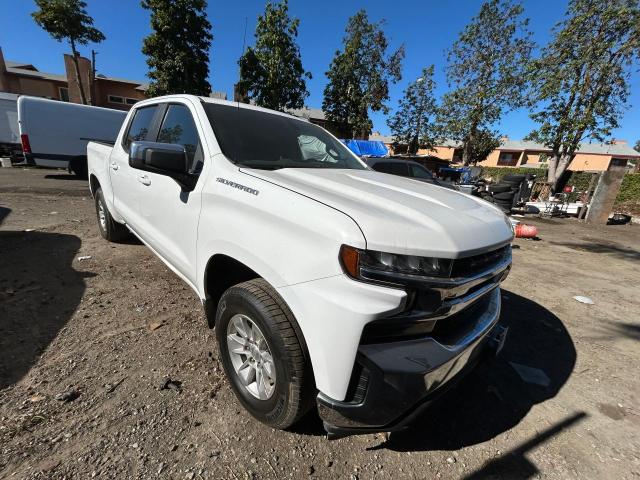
(497, 338)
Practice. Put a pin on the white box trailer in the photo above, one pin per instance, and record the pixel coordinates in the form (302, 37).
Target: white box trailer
(9, 132)
(55, 133)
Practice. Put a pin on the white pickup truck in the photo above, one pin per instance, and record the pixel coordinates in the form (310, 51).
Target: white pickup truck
(327, 282)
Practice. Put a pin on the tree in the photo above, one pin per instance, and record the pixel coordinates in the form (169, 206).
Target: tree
(486, 71)
(583, 77)
(272, 71)
(413, 122)
(68, 20)
(637, 146)
(178, 49)
(359, 77)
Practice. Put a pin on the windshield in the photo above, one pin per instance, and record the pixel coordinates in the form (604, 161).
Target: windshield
(255, 139)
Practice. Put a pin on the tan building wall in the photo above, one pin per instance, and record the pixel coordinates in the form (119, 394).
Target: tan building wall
(28, 81)
(586, 161)
(105, 88)
(39, 88)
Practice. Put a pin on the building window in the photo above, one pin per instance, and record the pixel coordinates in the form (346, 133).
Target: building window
(618, 162)
(508, 158)
(64, 94)
(115, 99)
(130, 101)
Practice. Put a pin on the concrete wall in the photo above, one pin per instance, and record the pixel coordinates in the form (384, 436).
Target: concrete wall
(85, 68)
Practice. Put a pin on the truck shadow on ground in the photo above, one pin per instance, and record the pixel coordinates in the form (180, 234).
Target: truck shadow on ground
(65, 176)
(494, 398)
(39, 292)
(613, 249)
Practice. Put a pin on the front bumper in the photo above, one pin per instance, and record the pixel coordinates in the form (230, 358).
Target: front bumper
(393, 382)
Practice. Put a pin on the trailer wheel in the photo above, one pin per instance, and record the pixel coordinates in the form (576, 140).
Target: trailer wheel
(109, 228)
(262, 355)
(78, 165)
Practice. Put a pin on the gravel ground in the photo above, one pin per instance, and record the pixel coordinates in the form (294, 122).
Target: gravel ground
(86, 345)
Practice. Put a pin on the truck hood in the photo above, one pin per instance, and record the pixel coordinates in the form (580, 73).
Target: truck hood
(398, 214)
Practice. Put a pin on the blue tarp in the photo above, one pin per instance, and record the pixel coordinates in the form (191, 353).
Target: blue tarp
(369, 148)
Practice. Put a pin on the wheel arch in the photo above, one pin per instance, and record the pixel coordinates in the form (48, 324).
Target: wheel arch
(94, 184)
(224, 271)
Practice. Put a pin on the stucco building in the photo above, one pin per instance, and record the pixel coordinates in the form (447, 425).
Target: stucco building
(25, 79)
(516, 153)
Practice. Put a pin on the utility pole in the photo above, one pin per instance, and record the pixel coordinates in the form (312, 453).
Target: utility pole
(92, 80)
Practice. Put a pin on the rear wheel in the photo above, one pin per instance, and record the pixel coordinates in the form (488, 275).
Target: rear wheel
(109, 228)
(262, 355)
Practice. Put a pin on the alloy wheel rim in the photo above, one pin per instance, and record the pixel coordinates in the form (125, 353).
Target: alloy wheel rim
(251, 357)
(102, 216)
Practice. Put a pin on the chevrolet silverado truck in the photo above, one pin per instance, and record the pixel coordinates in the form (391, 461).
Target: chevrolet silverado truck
(328, 283)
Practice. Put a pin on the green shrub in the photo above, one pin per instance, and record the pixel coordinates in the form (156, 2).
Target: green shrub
(630, 189)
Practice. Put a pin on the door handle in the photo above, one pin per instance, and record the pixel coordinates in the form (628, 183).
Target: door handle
(143, 179)
(114, 165)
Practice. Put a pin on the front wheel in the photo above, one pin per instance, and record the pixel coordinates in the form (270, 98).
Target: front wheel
(262, 355)
(109, 228)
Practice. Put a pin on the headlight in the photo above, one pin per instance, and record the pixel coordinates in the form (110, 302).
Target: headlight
(357, 263)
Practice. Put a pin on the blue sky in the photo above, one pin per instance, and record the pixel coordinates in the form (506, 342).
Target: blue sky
(427, 28)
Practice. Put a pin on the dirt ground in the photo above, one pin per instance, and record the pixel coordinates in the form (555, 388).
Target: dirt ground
(111, 327)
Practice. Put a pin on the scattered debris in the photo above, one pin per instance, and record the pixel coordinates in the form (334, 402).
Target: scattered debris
(84, 257)
(37, 398)
(614, 412)
(68, 396)
(451, 460)
(168, 384)
(110, 388)
(155, 325)
(29, 229)
(583, 299)
(531, 375)
(525, 231)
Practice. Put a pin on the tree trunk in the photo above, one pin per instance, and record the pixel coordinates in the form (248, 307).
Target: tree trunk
(557, 166)
(74, 53)
(413, 146)
(466, 148)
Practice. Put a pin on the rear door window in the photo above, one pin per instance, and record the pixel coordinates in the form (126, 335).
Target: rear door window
(394, 168)
(139, 126)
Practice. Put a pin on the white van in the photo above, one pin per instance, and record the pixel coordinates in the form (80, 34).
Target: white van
(9, 133)
(55, 134)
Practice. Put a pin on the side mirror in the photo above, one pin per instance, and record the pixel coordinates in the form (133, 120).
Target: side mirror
(162, 158)
(159, 157)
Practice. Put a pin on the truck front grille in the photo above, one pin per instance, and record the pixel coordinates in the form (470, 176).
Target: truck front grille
(446, 309)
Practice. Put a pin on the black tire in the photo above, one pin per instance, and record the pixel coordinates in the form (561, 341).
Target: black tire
(503, 196)
(499, 188)
(78, 165)
(109, 228)
(294, 385)
(513, 178)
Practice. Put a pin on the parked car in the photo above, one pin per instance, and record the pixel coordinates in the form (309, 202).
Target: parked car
(9, 134)
(55, 133)
(326, 281)
(406, 168)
